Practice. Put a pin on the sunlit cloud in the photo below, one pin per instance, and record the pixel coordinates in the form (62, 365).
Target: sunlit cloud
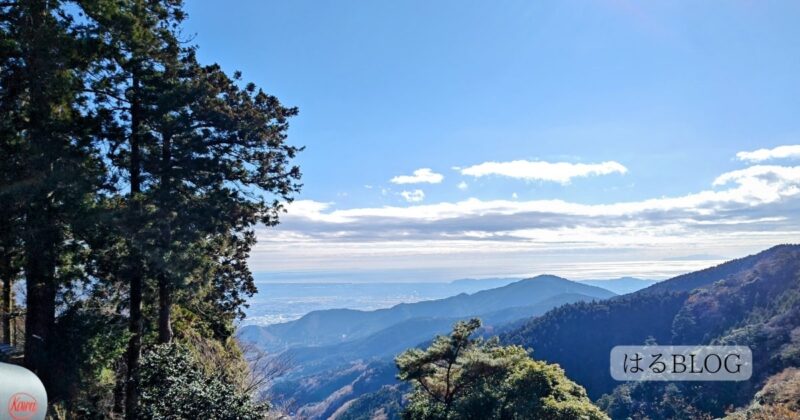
(420, 176)
(780, 152)
(413, 196)
(747, 188)
(741, 211)
(561, 172)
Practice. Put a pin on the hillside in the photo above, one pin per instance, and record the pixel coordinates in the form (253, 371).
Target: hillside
(702, 278)
(335, 326)
(327, 377)
(393, 339)
(751, 301)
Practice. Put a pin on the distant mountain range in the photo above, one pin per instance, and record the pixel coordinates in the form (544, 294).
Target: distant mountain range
(327, 327)
(620, 286)
(341, 354)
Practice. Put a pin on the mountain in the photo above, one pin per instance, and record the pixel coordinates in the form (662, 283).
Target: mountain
(328, 327)
(363, 365)
(385, 403)
(621, 285)
(341, 355)
(396, 338)
(753, 301)
(320, 396)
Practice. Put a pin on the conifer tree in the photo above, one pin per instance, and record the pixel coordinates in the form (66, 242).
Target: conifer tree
(460, 377)
(136, 38)
(55, 169)
(223, 166)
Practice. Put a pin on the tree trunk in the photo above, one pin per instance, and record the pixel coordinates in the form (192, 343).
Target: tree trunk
(135, 327)
(135, 264)
(164, 310)
(7, 304)
(164, 286)
(40, 262)
(41, 230)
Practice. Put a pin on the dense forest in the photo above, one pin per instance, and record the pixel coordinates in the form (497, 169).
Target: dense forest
(132, 177)
(753, 301)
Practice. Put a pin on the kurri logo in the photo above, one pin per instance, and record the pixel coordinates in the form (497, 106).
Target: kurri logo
(22, 406)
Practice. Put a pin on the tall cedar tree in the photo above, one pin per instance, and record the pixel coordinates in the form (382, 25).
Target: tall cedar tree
(223, 166)
(55, 170)
(205, 160)
(137, 38)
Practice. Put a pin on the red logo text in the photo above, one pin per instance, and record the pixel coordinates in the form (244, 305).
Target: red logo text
(22, 406)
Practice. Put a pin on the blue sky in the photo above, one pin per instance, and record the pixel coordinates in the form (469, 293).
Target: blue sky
(544, 127)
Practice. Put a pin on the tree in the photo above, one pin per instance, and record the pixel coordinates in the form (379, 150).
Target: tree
(459, 377)
(10, 142)
(221, 165)
(131, 181)
(55, 166)
(10, 243)
(137, 41)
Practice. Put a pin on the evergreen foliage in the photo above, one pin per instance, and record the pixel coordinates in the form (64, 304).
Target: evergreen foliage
(753, 301)
(459, 377)
(175, 386)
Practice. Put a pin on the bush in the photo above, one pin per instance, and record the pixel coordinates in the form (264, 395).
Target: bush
(175, 386)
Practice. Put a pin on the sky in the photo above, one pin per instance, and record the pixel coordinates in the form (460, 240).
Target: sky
(589, 139)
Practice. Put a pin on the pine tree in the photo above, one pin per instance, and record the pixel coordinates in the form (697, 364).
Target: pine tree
(459, 377)
(203, 160)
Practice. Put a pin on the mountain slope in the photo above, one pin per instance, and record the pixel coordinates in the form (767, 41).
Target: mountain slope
(701, 278)
(396, 338)
(325, 378)
(328, 327)
(751, 301)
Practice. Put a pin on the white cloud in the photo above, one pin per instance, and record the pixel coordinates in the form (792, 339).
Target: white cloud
(780, 152)
(420, 176)
(413, 196)
(514, 196)
(562, 172)
(462, 186)
(741, 211)
(749, 187)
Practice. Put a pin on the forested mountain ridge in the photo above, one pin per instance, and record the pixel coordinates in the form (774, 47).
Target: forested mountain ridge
(752, 301)
(696, 279)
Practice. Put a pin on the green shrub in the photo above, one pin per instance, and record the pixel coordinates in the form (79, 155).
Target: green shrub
(175, 386)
